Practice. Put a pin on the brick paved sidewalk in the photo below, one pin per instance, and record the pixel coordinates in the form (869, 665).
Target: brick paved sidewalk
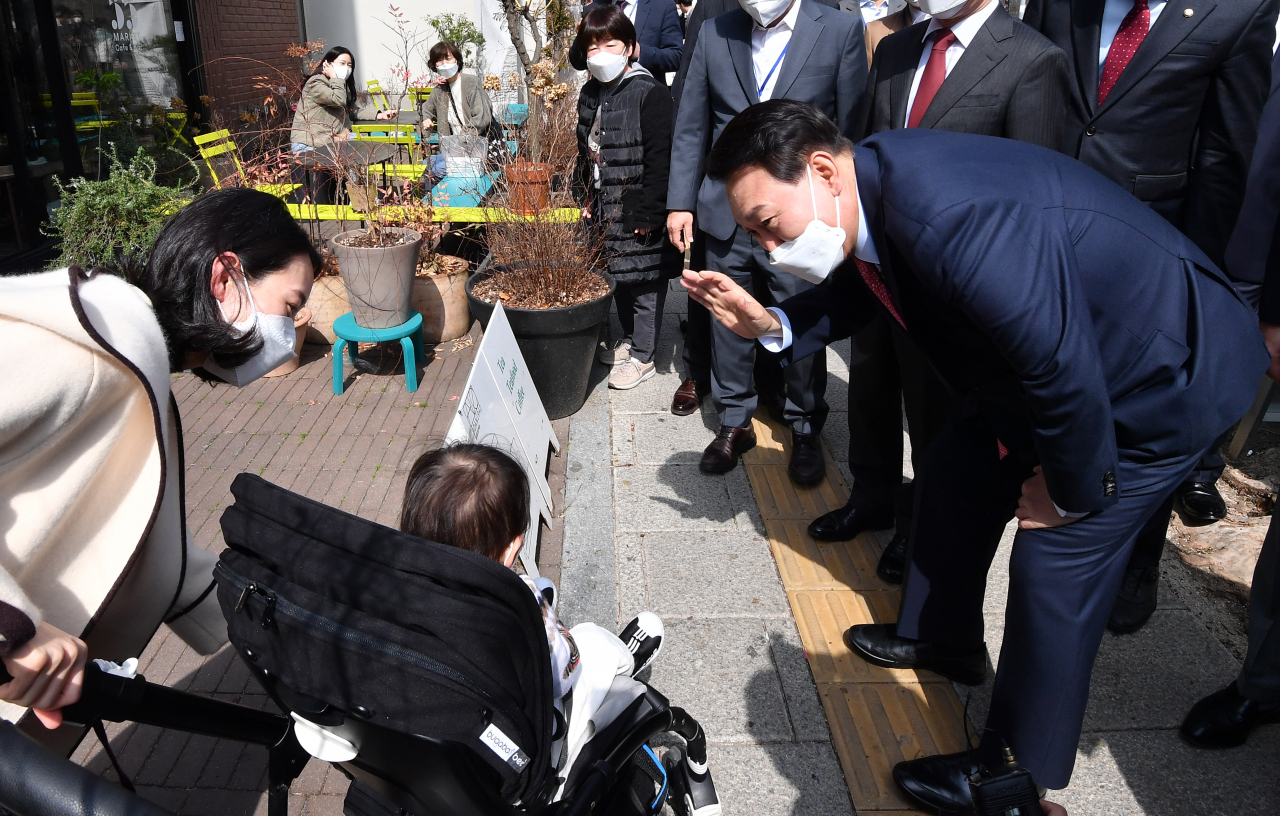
(351, 451)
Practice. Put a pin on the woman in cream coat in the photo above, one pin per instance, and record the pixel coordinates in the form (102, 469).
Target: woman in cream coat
(95, 553)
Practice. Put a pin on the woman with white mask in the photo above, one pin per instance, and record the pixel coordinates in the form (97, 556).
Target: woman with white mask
(328, 104)
(96, 554)
(457, 106)
(624, 153)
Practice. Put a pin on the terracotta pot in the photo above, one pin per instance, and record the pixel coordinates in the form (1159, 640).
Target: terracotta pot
(300, 327)
(379, 279)
(442, 302)
(327, 303)
(530, 186)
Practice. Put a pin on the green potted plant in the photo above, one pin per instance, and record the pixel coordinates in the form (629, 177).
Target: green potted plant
(107, 221)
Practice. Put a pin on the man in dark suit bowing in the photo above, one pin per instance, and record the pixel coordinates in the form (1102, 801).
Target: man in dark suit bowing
(1167, 100)
(658, 35)
(1096, 353)
(767, 49)
(970, 69)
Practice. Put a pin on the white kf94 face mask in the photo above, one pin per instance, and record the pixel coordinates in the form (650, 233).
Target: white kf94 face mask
(765, 12)
(816, 251)
(606, 67)
(278, 338)
(447, 69)
(942, 9)
(341, 72)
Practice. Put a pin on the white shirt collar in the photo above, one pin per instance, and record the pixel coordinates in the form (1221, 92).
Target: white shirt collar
(966, 29)
(788, 19)
(864, 249)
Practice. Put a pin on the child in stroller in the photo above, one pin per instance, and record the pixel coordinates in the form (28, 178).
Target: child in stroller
(475, 497)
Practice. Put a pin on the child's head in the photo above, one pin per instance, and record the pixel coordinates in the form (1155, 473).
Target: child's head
(606, 29)
(473, 497)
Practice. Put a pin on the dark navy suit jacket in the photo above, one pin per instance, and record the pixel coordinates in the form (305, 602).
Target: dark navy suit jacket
(1080, 322)
(1253, 254)
(657, 31)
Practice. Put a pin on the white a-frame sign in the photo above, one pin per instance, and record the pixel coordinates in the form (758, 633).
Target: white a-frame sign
(500, 407)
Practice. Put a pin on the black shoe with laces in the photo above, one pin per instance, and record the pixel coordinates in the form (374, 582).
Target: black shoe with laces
(1136, 600)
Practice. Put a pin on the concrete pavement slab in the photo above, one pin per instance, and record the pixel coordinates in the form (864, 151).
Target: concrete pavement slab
(671, 497)
(705, 574)
(780, 779)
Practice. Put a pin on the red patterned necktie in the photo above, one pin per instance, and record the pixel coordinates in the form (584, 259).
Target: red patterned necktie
(871, 276)
(935, 72)
(1133, 29)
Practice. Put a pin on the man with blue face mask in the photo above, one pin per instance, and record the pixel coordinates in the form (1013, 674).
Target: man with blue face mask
(1071, 322)
(767, 49)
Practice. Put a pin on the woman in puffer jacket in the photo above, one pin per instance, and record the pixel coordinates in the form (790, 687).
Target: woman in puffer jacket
(624, 151)
(95, 552)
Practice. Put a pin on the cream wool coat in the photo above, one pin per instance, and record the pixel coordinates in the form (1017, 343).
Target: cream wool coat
(91, 506)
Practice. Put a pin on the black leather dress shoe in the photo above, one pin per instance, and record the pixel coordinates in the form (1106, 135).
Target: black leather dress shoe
(688, 397)
(845, 523)
(879, 645)
(806, 466)
(1202, 503)
(938, 783)
(893, 561)
(721, 456)
(1225, 718)
(1136, 600)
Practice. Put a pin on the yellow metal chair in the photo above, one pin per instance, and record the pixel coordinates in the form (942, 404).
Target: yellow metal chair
(222, 157)
(418, 95)
(402, 135)
(375, 91)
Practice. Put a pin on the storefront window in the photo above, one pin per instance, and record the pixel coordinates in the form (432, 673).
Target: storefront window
(132, 39)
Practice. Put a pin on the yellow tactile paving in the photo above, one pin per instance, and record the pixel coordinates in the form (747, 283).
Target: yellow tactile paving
(874, 726)
(808, 564)
(878, 717)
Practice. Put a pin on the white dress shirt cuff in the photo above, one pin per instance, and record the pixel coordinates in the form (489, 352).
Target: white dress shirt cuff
(1065, 514)
(778, 339)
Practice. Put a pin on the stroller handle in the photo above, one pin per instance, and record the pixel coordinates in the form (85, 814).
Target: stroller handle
(35, 781)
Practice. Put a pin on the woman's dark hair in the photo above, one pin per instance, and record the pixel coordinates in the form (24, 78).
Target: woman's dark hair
(473, 497)
(441, 50)
(257, 227)
(779, 135)
(331, 55)
(604, 23)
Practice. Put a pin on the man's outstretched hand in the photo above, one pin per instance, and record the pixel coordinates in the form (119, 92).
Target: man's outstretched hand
(730, 304)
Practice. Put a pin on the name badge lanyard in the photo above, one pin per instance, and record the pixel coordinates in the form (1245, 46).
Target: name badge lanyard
(769, 75)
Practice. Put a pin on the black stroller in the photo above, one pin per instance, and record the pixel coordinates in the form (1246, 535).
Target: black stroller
(421, 671)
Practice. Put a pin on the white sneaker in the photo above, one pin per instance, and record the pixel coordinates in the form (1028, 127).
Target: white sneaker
(643, 638)
(631, 373)
(614, 355)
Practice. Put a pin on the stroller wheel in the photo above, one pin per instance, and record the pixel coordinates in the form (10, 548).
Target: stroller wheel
(692, 792)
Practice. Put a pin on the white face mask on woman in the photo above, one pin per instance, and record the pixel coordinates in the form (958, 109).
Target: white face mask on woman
(278, 338)
(606, 67)
(817, 250)
(942, 9)
(765, 12)
(341, 72)
(447, 69)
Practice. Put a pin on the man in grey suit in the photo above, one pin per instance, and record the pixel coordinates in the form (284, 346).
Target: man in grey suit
(991, 76)
(768, 49)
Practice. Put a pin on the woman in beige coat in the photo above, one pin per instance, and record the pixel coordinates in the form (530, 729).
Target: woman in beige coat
(328, 105)
(95, 553)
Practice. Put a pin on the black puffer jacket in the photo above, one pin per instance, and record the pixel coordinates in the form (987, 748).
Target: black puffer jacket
(635, 154)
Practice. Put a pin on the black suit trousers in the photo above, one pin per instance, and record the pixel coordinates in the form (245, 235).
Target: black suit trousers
(1260, 678)
(887, 373)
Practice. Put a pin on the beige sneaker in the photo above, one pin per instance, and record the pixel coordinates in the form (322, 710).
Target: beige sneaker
(630, 374)
(614, 355)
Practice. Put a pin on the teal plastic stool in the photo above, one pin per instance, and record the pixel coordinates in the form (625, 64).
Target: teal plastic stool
(408, 333)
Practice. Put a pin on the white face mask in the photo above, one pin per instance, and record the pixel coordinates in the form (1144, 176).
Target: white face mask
(341, 72)
(607, 67)
(765, 12)
(447, 69)
(942, 9)
(817, 251)
(278, 338)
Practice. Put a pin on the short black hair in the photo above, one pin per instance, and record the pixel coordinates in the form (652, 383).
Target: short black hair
(443, 49)
(258, 228)
(779, 135)
(604, 23)
(474, 497)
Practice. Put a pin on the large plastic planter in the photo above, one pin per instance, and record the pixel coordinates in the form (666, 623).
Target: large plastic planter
(558, 345)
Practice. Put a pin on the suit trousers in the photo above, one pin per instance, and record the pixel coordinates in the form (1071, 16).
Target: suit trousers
(697, 328)
(1260, 678)
(733, 357)
(1062, 583)
(887, 374)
